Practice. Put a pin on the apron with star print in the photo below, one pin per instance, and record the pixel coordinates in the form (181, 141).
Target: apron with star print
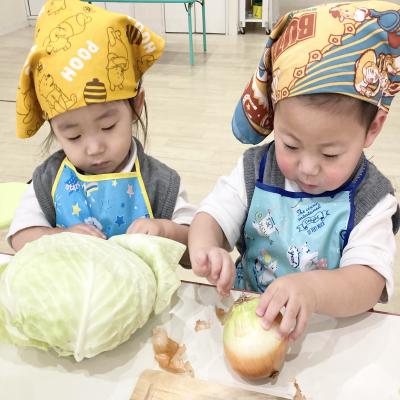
(287, 232)
(110, 202)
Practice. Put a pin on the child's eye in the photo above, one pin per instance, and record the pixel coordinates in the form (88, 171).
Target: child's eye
(72, 139)
(330, 155)
(108, 128)
(290, 147)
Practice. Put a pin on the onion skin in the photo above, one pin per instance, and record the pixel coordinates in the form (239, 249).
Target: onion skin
(253, 352)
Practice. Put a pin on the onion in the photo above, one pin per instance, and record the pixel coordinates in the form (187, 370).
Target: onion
(252, 351)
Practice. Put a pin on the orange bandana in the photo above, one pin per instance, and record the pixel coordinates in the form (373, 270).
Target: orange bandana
(349, 48)
(82, 55)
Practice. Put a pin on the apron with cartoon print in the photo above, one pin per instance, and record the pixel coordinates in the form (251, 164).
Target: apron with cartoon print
(110, 202)
(288, 232)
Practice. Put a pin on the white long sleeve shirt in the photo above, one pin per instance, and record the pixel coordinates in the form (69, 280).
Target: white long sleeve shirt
(29, 212)
(371, 242)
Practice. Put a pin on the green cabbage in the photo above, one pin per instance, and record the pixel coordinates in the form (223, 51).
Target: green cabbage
(80, 295)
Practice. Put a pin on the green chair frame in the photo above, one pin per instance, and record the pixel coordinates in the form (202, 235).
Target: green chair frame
(188, 6)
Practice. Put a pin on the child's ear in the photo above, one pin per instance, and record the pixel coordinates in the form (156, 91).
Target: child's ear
(139, 102)
(375, 128)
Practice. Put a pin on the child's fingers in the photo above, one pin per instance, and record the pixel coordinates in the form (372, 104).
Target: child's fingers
(200, 264)
(215, 260)
(131, 229)
(87, 230)
(278, 300)
(290, 318)
(145, 226)
(96, 232)
(135, 227)
(265, 299)
(227, 277)
(301, 323)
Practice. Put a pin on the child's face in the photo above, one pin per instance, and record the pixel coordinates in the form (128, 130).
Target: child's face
(96, 138)
(315, 148)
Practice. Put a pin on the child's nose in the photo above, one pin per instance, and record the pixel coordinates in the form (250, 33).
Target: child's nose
(94, 147)
(309, 166)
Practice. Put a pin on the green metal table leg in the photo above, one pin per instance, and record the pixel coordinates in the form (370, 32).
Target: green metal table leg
(203, 14)
(189, 13)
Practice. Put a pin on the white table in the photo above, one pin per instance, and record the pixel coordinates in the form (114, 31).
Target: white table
(353, 358)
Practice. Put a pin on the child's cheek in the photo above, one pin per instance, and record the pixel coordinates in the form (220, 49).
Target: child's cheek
(286, 165)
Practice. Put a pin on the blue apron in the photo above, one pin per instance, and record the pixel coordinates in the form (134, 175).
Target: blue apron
(110, 202)
(288, 232)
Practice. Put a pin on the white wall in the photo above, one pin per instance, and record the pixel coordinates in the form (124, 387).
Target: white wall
(288, 5)
(13, 16)
(233, 17)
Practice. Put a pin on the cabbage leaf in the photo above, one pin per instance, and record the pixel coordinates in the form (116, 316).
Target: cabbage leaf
(80, 295)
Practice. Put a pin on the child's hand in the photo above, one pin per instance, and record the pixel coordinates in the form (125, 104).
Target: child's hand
(85, 229)
(216, 265)
(147, 226)
(293, 292)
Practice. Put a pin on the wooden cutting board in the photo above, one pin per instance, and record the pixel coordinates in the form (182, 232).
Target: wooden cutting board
(160, 385)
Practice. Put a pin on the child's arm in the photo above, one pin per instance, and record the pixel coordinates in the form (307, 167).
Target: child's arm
(209, 240)
(175, 229)
(20, 238)
(30, 223)
(341, 292)
(207, 244)
(164, 228)
(366, 266)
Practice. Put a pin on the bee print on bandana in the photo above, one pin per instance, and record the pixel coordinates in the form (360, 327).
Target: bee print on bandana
(134, 35)
(94, 92)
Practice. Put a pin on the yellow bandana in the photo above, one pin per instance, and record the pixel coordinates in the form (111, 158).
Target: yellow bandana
(348, 48)
(82, 54)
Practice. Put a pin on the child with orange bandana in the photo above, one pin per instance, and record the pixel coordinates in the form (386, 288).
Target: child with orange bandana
(313, 219)
(83, 75)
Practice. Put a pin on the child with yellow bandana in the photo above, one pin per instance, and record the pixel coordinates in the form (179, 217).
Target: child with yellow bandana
(84, 76)
(313, 220)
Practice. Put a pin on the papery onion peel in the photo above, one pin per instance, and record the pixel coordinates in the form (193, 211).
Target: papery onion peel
(169, 354)
(202, 324)
(252, 351)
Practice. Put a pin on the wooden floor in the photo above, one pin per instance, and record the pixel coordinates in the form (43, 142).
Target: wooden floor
(190, 111)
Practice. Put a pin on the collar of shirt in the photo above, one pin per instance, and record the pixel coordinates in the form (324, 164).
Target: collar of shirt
(132, 158)
(291, 186)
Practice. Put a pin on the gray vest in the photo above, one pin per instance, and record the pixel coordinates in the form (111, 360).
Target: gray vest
(161, 182)
(371, 190)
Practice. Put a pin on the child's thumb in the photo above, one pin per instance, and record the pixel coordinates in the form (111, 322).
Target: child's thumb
(201, 266)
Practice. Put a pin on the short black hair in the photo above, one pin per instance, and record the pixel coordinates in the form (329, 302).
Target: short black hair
(340, 103)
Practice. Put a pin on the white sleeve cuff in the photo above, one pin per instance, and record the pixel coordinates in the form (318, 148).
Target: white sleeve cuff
(28, 214)
(184, 211)
(227, 203)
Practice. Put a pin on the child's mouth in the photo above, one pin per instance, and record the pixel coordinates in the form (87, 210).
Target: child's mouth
(307, 187)
(101, 165)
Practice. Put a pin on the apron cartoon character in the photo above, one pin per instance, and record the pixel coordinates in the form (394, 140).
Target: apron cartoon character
(288, 232)
(110, 202)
